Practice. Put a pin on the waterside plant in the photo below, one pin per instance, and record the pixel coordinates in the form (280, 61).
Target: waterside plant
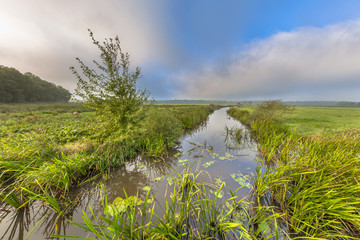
(194, 210)
(58, 149)
(312, 181)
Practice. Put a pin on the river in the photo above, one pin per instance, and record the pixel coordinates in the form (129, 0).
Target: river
(207, 148)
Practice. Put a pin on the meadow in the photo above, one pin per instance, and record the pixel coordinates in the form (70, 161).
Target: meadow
(312, 120)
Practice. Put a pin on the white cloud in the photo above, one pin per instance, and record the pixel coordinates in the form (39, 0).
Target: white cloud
(44, 37)
(323, 60)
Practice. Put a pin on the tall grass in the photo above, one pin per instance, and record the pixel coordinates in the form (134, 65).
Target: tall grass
(196, 210)
(313, 182)
(48, 145)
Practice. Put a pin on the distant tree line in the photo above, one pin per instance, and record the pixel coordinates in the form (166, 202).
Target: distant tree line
(348, 104)
(16, 87)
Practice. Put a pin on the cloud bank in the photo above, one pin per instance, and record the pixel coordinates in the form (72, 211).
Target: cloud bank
(44, 37)
(304, 64)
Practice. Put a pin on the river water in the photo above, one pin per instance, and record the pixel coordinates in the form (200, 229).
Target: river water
(208, 148)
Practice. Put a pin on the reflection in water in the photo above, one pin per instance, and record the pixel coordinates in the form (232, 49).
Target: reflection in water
(18, 225)
(209, 148)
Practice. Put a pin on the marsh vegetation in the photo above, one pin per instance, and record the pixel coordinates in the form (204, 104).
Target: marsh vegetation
(278, 175)
(298, 186)
(310, 180)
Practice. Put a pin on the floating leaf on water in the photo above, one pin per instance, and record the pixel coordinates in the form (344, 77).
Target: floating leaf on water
(243, 179)
(170, 180)
(183, 161)
(198, 156)
(159, 179)
(141, 165)
(219, 194)
(212, 153)
(198, 145)
(218, 181)
(242, 155)
(208, 164)
(120, 205)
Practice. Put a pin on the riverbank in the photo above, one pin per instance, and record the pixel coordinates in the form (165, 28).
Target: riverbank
(312, 181)
(196, 183)
(48, 149)
(310, 120)
(204, 194)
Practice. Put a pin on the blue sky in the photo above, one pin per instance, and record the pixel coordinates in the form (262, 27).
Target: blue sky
(199, 49)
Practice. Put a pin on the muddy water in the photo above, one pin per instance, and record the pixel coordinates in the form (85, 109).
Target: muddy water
(208, 148)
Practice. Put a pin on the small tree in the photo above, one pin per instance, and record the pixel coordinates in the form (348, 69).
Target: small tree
(111, 88)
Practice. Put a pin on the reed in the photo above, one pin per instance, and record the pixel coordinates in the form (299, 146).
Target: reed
(312, 182)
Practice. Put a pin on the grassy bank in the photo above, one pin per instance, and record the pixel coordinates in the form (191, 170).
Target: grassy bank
(47, 149)
(312, 181)
(312, 120)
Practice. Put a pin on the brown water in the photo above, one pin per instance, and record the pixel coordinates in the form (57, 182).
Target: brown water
(208, 148)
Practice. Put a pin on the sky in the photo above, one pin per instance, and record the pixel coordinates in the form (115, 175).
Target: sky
(196, 49)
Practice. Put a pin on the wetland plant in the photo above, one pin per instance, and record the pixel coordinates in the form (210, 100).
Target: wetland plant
(196, 210)
(312, 182)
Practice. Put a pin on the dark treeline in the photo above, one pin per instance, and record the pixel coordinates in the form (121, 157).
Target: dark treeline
(16, 87)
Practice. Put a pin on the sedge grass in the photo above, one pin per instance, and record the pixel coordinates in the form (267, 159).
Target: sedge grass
(313, 181)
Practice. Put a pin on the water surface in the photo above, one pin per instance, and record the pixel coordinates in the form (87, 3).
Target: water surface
(208, 148)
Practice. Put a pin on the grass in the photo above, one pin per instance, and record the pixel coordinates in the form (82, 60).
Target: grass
(56, 146)
(311, 120)
(308, 120)
(312, 181)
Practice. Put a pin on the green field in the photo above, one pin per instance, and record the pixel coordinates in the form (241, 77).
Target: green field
(312, 120)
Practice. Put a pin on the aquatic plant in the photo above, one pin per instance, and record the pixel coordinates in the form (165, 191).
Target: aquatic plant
(195, 210)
